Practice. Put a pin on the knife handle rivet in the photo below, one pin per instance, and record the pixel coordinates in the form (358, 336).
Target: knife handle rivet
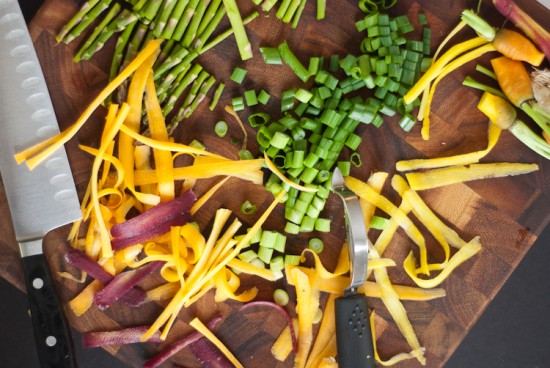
(51, 341)
(37, 283)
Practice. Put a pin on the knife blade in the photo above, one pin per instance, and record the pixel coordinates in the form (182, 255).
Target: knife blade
(353, 333)
(39, 200)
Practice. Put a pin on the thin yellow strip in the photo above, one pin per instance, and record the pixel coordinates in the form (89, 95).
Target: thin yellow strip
(459, 257)
(206, 196)
(166, 146)
(474, 54)
(245, 169)
(363, 190)
(271, 166)
(462, 159)
(199, 326)
(38, 153)
(157, 125)
(458, 174)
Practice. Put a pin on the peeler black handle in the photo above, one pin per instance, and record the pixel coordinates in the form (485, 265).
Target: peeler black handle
(353, 332)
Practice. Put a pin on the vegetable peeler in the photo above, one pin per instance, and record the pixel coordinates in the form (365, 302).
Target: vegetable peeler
(353, 333)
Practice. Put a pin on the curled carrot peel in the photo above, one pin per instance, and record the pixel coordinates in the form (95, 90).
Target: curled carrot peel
(439, 64)
(455, 64)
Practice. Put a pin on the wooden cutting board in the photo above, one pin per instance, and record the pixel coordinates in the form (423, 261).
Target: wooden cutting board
(507, 213)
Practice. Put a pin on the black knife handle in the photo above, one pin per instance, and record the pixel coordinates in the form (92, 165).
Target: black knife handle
(51, 332)
(353, 332)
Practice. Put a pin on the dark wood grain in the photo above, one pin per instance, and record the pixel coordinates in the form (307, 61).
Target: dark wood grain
(507, 213)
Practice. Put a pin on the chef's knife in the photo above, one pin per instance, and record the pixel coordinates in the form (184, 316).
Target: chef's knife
(353, 333)
(39, 200)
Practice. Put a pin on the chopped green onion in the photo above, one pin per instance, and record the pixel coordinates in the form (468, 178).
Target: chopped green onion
(303, 95)
(353, 141)
(292, 228)
(316, 245)
(333, 63)
(355, 159)
(263, 97)
(248, 208)
(271, 55)
(292, 260)
(292, 61)
(250, 97)
(238, 103)
(248, 256)
(197, 144)
(220, 128)
(279, 140)
(258, 119)
(256, 236)
(422, 18)
(406, 122)
(265, 254)
(378, 223)
(238, 75)
(308, 224)
(280, 297)
(277, 264)
(344, 167)
(322, 225)
(257, 262)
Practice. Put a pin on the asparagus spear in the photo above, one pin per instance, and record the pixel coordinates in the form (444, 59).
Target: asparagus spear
(118, 56)
(245, 49)
(175, 57)
(185, 19)
(205, 88)
(210, 28)
(190, 74)
(132, 50)
(77, 18)
(174, 72)
(86, 20)
(149, 10)
(213, 8)
(115, 9)
(165, 51)
(298, 14)
(191, 31)
(167, 8)
(185, 109)
(174, 19)
(222, 36)
(124, 18)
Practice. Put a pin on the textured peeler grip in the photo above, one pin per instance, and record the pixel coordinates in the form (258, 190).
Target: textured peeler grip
(353, 333)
